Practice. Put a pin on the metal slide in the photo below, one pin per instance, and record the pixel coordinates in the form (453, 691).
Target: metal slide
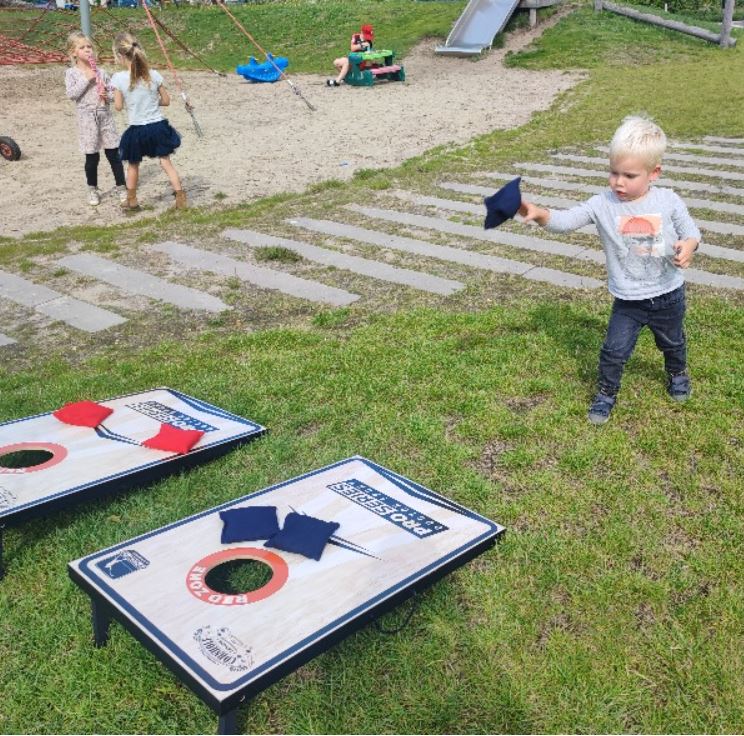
(476, 27)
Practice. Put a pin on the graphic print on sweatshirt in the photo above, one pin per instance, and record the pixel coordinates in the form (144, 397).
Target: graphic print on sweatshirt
(645, 258)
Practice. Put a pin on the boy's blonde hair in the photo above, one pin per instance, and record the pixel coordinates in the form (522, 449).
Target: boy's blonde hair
(640, 137)
(73, 40)
(127, 46)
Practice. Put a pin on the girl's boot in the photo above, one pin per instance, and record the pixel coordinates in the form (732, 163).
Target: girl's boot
(131, 202)
(181, 203)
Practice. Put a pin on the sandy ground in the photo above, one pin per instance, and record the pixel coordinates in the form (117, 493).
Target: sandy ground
(260, 139)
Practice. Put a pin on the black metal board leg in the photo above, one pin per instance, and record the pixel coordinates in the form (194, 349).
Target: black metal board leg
(228, 723)
(101, 620)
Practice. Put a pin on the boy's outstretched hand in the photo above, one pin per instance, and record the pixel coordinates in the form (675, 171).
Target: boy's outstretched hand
(684, 250)
(532, 213)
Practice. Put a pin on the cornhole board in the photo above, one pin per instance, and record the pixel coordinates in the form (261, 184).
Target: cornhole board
(84, 462)
(395, 538)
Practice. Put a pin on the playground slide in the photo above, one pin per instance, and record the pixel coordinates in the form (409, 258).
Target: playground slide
(476, 27)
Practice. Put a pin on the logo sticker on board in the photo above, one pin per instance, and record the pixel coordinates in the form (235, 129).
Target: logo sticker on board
(166, 415)
(123, 563)
(222, 647)
(412, 521)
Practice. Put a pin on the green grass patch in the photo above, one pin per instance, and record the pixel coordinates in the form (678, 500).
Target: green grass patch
(277, 253)
(619, 568)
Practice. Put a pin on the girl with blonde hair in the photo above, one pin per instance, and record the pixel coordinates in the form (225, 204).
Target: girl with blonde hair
(142, 91)
(87, 87)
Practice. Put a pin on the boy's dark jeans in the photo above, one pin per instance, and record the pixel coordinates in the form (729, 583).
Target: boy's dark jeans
(664, 316)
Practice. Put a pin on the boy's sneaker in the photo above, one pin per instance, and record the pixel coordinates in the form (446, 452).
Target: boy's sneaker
(679, 387)
(599, 411)
(122, 190)
(94, 198)
(332, 83)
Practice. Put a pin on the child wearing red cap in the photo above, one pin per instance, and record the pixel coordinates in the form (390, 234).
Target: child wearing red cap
(360, 42)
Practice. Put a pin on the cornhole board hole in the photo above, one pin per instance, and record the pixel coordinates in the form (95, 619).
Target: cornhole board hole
(46, 464)
(395, 538)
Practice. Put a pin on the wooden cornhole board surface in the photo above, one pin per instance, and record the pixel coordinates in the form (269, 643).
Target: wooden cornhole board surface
(395, 537)
(87, 461)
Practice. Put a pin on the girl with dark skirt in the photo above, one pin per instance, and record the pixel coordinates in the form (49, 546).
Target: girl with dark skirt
(149, 134)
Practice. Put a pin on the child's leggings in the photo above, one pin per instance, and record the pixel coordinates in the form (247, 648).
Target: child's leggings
(91, 167)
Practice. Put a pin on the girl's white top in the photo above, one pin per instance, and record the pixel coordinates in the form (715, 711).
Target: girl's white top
(142, 102)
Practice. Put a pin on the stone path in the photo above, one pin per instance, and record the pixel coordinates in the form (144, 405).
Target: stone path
(722, 228)
(713, 251)
(138, 282)
(546, 246)
(222, 259)
(690, 186)
(706, 147)
(364, 266)
(447, 253)
(715, 173)
(264, 278)
(46, 301)
(573, 186)
(730, 141)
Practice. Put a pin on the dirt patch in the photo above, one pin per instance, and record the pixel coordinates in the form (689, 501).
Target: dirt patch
(260, 139)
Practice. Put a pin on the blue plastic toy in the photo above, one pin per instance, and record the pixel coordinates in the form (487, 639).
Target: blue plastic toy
(266, 72)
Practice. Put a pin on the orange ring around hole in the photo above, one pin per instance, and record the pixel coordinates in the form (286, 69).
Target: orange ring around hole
(59, 453)
(196, 576)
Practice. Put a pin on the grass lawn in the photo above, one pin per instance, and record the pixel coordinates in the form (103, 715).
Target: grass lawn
(615, 602)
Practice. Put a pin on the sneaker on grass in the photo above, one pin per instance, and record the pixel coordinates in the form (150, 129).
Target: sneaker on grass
(94, 198)
(601, 408)
(679, 387)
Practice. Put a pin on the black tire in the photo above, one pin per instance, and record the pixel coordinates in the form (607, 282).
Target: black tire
(9, 149)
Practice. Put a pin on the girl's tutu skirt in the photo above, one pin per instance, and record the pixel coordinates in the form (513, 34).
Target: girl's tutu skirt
(152, 140)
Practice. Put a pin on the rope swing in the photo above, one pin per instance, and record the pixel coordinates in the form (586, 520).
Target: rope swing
(189, 107)
(294, 87)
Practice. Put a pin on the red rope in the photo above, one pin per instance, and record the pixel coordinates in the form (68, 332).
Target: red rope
(15, 52)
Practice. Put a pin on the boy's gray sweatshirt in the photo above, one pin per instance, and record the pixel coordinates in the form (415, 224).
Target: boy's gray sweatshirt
(638, 238)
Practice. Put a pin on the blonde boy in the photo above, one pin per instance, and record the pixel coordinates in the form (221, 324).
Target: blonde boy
(648, 238)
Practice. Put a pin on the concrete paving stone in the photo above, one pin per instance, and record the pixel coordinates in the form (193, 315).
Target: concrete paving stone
(134, 281)
(719, 139)
(691, 186)
(574, 186)
(24, 292)
(79, 314)
(696, 276)
(525, 242)
(5, 340)
(715, 173)
(441, 252)
(74, 312)
(732, 151)
(695, 158)
(713, 251)
(265, 278)
(363, 266)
